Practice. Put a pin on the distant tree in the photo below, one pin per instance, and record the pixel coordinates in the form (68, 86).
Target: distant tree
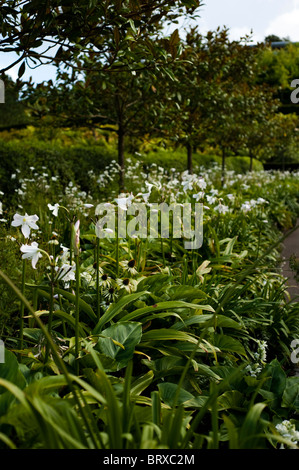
(13, 111)
(272, 38)
(283, 147)
(204, 93)
(123, 103)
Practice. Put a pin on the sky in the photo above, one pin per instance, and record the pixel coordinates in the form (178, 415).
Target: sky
(262, 17)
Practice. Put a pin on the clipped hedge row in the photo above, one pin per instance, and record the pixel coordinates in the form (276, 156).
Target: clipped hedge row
(73, 162)
(67, 162)
(168, 158)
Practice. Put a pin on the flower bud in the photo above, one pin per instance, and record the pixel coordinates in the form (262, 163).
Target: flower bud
(76, 238)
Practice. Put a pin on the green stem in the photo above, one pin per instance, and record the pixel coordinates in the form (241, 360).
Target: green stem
(215, 439)
(117, 252)
(162, 251)
(71, 247)
(21, 337)
(35, 306)
(51, 309)
(138, 254)
(77, 314)
(98, 277)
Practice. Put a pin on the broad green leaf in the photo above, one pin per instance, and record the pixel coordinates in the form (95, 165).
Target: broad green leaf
(230, 399)
(186, 293)
(275, 383)
(9, 371)
(169, 305)
(290, 398)
(252, 427)
(168, 391)
(115, 309)
(119, 341)
(167, 335)
(228, 344)
(207, 320)
(142, 383)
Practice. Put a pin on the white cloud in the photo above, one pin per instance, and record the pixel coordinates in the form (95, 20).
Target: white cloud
(286, 25)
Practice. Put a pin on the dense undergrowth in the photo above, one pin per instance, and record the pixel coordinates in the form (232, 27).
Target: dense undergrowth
(139, 342)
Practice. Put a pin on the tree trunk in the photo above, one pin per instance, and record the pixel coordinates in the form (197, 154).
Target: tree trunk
(223, 168)
(189, 158)
(121, 159)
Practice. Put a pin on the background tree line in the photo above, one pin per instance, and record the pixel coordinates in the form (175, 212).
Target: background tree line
(126, 79)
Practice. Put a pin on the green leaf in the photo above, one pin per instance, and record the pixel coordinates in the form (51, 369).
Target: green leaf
(165, 306)
(275, 383)
(167, 335)
(290, 398)
(229, 344)
(119, 341)
(252, 427)
(142, 383)
(115, 309)
(21, 70)
(230, 399)
(9, 371)
(174, 38)
(168, 391)
(208, 320)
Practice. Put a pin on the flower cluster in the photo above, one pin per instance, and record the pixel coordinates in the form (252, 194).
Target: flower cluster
(260, 359)
(288, 431)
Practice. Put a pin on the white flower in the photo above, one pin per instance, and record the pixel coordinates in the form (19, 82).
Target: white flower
(129, 285)
(53, 242)
(199, 195)
(105, 281)
(76, 238)
(221, 208)
(54, 209)
(187, 185)
(261, 200)
(66, 272)
(201, 183)
(88, 206)
(288, 430)
(26, 221)
(129, 266)
(31, 252)
(1, 208)
(211, 199)
(124, 202)
(214, 192)
(65, 254)
(261, 354)
(246, 207)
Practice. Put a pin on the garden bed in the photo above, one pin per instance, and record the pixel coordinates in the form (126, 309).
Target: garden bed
(130, 343)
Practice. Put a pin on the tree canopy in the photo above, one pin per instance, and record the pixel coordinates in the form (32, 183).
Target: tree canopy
(120, 33)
